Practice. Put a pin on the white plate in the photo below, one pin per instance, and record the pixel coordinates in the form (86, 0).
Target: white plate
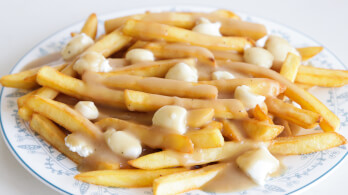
(55, 170)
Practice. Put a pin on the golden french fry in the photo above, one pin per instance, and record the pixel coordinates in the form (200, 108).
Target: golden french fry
(185, 181)
(149, 69)
(322, 77)
(148, 137)
(125, 178)
(287, 130)
(232, 130)
(156, 85)
(226, 13)
(309, 52)
(157, 31)
(229, 56)
(49, 77)
(307, 101)
(62, 115)
(261, 86)
(167, 158)
(146, 102)
(91, 25)
(53, 135)
(303, 118)
(198, 117)
(25, 79)
(21, 100)
(175, 50)
(208, 137)
(304, 86)
(261, 131)
(305, 144)
(261, 115)
(290, 66)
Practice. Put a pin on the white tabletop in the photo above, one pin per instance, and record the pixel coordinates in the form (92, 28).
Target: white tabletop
(25, 23)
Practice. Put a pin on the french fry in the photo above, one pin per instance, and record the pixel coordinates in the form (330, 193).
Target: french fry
(149, 69)
(287, 129)
(21, 100)
(157, 31)
(229, 56)
(305, 144)
(226, 13)
(156, 85)
(53, 135)
(307, 101)
(303, 118)
(146, 102)
(167, 158)
(49, 77)
(309, 52)
(148, 137)
(290, 66)
(125, 178)
(261, 86)
(185, 181)
(165, 51)
(25, 79)
(62, 115)
(304, 86)
(91, 25)
(322, 77)
(232, 130)
(198, 117)
(261, 115)
(261, 131)
(208, 137)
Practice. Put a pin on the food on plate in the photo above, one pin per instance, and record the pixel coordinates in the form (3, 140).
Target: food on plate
(179, 101)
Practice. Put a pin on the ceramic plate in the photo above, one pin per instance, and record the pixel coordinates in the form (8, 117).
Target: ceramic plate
(55, 170)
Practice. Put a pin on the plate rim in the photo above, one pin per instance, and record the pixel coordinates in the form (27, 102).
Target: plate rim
(134, 8)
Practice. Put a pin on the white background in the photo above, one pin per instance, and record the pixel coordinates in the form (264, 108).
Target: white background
(23, 23)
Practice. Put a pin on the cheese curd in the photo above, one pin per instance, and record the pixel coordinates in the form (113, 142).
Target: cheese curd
(258, 164)
(182, 72)
(76, 46)
(87, 109)
(139, 55)
(172, 118)
(92, 61)
(123, 143)
(204, 26)
(248, 98)
(279, 47)
(79, 144)
(219, 75)
(258, 56)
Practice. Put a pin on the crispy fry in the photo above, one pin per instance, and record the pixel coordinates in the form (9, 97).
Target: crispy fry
(287, 130)
(303, 118)
(261, 115)
(261, 131)
(208, 137)
(156, 31)
(146, 102)
(199, 117)
(232, 130)
(307, 101)
(21, 100)
(125, 178)
(309, 52)
(63, 115)
(149, 69)
(157, 86)
(229, 56)
(226, 13)
(322, 77)
(148, 137)
(290, 66)
(53, 135)
(185, 181)
(304, 86)
(261, 86)
(91, 25)
(305, 144)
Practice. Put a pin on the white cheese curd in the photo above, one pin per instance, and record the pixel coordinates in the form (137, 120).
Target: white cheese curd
(258, 56)
(182, 72)
(258, 164)
(123, 143)
(171, 117)
(279, 47)
(140, 55)
(204, 26)
(92, 61)
(248, 98)
(76, 46)
(218, 75)
(79, 144)
(87, 109)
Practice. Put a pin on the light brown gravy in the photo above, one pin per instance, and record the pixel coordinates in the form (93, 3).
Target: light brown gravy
(49, 60)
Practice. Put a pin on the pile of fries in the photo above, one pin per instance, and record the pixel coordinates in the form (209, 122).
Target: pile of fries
(219, 128)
